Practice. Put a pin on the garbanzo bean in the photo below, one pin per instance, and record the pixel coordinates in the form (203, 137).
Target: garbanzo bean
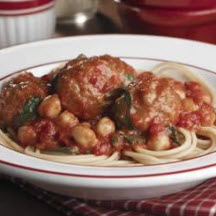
(26, 135)
(105, 126)
(84, 136)
(159, 142)
(50, 107)
(67, 119)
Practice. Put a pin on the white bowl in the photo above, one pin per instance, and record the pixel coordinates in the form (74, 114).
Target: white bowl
(26, 21)
(143, 52)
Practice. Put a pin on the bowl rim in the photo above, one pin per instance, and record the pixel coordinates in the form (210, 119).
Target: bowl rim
(9, 163)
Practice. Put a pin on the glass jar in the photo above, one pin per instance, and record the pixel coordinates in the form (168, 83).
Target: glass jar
(75, 11)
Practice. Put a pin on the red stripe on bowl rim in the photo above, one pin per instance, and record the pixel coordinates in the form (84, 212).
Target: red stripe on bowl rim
(20, 5)
(104, 176)
(112, 176)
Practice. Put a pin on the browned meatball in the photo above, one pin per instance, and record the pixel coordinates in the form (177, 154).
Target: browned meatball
(155, 97)
(85, 82)
(15, 94)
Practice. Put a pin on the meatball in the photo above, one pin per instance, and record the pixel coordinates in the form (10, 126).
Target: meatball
(154, 97)
(15, 94)
(84, 84)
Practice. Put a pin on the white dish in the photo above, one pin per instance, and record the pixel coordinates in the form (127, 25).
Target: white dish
(142, 52)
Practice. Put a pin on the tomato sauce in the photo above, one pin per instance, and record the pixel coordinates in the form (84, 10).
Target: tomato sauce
(195, 91)
(104, 147)
(142, 111)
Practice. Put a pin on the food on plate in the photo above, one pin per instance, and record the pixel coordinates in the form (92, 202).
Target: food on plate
(100, 111)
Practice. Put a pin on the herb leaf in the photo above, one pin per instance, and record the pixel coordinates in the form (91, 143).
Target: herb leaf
(129, 77)
(121, 111)
(174, 135)
(134, 139)
(114, 139)
(63, 151)
(29, 111)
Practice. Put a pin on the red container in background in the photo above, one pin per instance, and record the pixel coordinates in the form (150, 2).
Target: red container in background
(183, 4)
(199, 24)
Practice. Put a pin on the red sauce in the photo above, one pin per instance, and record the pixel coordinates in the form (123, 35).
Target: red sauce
(190, 120)
(46, 134)
(103, 148)
(197, 93)
(207, 115)
(156, 128)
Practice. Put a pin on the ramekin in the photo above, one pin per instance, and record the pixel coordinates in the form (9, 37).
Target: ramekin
(24, 21)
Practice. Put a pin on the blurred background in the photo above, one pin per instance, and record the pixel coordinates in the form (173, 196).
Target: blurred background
(23, 21)
(26, 21)
(101, 17)
(190, 19)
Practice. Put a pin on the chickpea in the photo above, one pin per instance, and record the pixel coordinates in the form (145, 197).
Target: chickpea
(105, 126)
(159, 142)
(67, 119)
(84, 136)
(50, 107)
(26, 135)
(189, 105)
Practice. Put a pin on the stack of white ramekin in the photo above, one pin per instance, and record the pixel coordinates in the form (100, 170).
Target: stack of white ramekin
(24, 21)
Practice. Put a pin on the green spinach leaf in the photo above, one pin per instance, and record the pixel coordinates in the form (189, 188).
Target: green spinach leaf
(29, 111)
(121, 111)
(174, 135)
(73, 150)
(129, 77)
(114, 139)
(134, 139)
